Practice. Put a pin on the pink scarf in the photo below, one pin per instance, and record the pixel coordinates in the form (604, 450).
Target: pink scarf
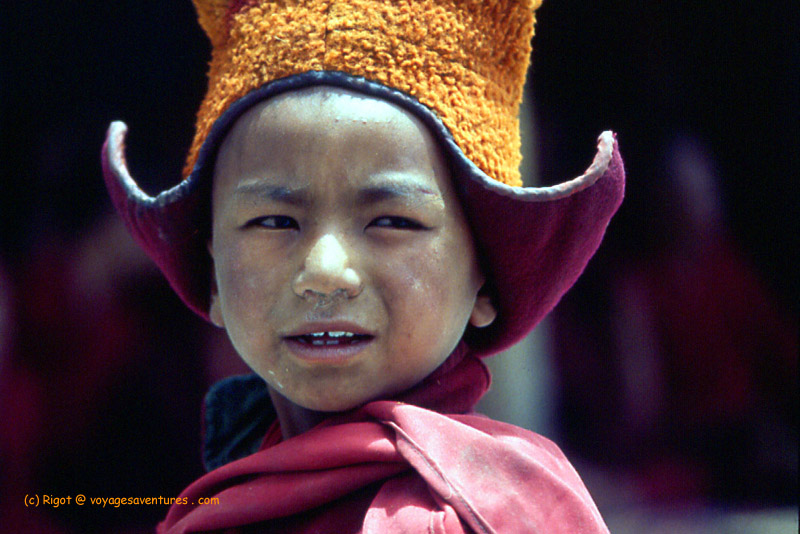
(398, 466)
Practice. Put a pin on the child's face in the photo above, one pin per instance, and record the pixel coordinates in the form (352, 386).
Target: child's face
(344, 269)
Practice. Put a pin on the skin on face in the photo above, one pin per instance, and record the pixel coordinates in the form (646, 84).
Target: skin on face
(334, 212)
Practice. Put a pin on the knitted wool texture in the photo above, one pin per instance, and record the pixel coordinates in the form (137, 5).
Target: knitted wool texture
(464, 59)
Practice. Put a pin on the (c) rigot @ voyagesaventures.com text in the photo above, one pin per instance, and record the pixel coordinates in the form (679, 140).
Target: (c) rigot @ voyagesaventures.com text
(54, 501)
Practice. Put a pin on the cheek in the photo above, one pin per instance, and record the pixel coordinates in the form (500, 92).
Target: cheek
(413, 278)
(246, 292)
(247, 270)
(236, 282)
(428, 291)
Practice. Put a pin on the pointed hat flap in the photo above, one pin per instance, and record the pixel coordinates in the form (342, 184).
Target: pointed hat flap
(171, 227)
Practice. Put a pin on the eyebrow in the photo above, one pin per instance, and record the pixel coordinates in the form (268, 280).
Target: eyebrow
(371, 194)
(392, 190)
(297, 196)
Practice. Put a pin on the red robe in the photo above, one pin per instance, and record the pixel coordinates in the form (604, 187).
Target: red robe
(419, 463)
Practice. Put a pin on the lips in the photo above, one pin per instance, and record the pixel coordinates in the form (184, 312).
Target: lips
(328, 343)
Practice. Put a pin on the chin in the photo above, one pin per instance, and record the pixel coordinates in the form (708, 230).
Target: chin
(332, 406)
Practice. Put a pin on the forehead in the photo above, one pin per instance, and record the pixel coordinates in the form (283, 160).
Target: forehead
(327, 131)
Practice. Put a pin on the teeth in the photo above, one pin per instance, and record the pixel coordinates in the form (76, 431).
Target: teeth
(331, 334)
(341, 334)
(329, 338)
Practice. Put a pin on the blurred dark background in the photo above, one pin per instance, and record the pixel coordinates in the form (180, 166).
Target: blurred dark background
(676, 353)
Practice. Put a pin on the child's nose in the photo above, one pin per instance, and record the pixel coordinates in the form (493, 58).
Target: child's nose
(326, 270)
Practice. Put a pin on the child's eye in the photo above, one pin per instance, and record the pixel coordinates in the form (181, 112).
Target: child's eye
(398, 223)
(274, 222)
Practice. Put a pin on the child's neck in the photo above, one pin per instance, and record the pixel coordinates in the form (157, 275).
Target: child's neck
(295, 419)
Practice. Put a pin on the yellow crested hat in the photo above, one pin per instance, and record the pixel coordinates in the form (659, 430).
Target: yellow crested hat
(464, 59)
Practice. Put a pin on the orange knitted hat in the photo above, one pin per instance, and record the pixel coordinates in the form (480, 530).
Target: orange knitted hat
(464, 59)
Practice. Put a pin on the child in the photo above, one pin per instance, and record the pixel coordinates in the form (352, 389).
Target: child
(352, 217)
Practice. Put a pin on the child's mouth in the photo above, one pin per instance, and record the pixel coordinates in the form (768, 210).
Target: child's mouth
(330, 347)
(334, 338)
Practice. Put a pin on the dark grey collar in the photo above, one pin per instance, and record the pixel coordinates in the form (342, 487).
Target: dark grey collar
(238, 413)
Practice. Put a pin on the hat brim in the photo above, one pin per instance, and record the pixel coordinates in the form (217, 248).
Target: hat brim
(533, 242)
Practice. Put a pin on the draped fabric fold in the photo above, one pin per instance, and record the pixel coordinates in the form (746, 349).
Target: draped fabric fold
(412, 468)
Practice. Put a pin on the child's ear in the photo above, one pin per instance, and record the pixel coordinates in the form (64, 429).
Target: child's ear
(484, 312)
(214, 307)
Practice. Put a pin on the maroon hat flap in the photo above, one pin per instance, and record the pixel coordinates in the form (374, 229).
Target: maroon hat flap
(168, 226)
(536, 241)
